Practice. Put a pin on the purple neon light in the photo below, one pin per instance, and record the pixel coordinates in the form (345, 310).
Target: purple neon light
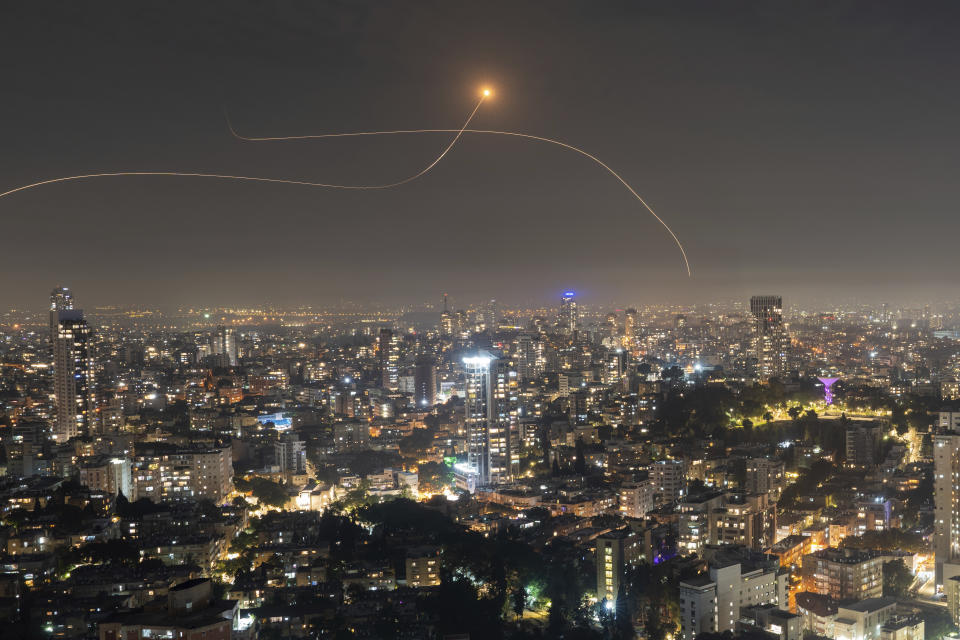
(827, 392)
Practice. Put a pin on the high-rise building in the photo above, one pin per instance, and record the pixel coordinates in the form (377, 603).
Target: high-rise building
(60, 300)
(946, 502)
(491, 316)
(629, 327)
(569, 316)
(769, 336)
(74, 384)
(389, 348)
(491, 412)
(531, 356)
(425, 382)
(224, 343)
(446, 320)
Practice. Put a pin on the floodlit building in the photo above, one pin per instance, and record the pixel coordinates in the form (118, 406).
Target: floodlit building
(109, 474)
(491, 409)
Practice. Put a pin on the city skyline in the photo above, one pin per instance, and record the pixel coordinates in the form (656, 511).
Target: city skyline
(499, 320)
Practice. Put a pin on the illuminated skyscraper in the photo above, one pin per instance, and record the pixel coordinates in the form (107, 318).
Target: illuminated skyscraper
(491, 412)
(946, 503)
(60, 300)
(530, 356)
(769, 337)
(74, 384)
(629, 326)
(224, 343)
(569, 317)
(491, 316)
(446, 320)
(389, 347)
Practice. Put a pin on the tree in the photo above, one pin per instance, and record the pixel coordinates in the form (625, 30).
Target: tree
(794, 412)
(896, 579)
(519, 600)
(556, 620)
(767, 417)
(580, 461)
(887, 540)
(623, 624)
(937, 624)
(269, 492)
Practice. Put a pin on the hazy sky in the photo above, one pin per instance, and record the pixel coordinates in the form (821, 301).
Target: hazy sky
(801, 148)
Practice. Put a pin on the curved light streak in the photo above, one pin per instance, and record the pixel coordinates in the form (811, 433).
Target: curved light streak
(307, 183)
(460, 132)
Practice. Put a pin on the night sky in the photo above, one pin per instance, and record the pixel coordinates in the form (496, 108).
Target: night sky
(807, 149)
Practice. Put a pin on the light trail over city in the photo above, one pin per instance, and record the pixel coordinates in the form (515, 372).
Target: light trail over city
(484, 94)
(460, 132)
(195, 174)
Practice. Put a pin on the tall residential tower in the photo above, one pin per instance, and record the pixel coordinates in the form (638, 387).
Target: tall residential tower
(73, 373)
(491, 411)
(770, 341)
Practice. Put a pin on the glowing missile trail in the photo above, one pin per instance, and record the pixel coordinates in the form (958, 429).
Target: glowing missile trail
(193, 174)
(460, 132)
(485, 93)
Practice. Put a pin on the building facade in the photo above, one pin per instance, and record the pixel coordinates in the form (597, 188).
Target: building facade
(74, 382)
(769, 336)
(491, 413)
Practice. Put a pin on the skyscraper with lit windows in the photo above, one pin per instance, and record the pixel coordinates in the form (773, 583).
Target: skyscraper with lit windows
(446, 320)
(491, 409)
(629, 327)
(569, 317)
(224, 343)
(389, 348)
(770, 341)
(74, 384)
(946, 502)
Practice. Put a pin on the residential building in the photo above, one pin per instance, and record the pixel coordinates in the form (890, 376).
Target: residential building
(491, 412)
(616, 550)
(843, 574)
